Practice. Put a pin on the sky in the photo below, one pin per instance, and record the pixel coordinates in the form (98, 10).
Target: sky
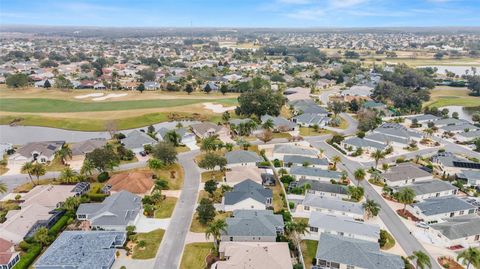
(242, 13)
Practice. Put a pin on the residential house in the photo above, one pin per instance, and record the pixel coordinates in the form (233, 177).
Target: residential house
(461, 230)
(242, 158)
(355, 143)
(247, 195)
(136, 141)
(236, 255)
(308, 106)
(115, 213)
(8, 256)
(430, 189)
(38, 209)
(358, 91)
(460, 128)
(313, 173)
(280, 150)
(335, 251)
(340, 225)
(469, 177)
(37, 151)
(80, 249)
(81, 148)
(207, 129)
(438, 208)
(327, 205)
(450, 164)
(138, 182)
(423, 119)
(253, 226)
(404, 174)
(467, 136)
(298, 160)
(186, 137)
(327, 189)
(280, 124)
(151, 85)
(310, 120)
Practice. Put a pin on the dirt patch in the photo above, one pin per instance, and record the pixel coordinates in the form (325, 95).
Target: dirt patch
(447, 262)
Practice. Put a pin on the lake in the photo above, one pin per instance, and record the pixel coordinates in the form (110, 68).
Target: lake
(463, 112)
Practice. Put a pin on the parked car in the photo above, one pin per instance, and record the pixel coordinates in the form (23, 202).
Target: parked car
(422, 225)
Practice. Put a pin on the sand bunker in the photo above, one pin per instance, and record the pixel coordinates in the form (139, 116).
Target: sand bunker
(217, 108)
(108, 96)
(89, 95)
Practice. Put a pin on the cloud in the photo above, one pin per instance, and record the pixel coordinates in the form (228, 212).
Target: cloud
(346, 3)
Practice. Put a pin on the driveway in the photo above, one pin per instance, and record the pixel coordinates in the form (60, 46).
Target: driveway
(145, 225)
(171, 249)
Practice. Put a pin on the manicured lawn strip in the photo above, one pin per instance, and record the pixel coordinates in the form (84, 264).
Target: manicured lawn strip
(309, 250)
(197, 227)
(195, 254)
(215, 175)
(45, 105)
(278, 197)
(165, 208)
(165, 173)
(152, 240)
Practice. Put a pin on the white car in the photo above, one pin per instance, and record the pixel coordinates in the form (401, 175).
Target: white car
(422, 225)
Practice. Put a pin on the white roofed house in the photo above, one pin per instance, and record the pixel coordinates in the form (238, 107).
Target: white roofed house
(151, 85)
(280, 150)
(296, 160)
(436, 209)
(458, 231)
(280, 124)
(404, 174)
(429, 189)
(253, 226)
(313, 173)
(207, 129)
(314, 203)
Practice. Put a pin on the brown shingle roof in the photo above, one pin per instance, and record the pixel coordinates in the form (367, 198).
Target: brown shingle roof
(135, 182)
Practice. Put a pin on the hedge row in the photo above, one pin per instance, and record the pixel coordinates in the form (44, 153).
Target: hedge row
(29, 257)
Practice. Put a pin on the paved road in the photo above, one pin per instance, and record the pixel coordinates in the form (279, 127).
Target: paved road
(400, 232)
(171, 249)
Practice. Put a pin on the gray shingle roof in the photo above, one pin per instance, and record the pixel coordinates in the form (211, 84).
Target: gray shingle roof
(88, 146)
(278, 121)
(332, 204)
(363, 143)
(310, 119)
(242, 156)
(294, 150)
(118, 209)
(315, 172)
(296, 159)
(254, 223)
(385, 139)
(247, 189)
(308, 106)
(459, 227)
(433, 186)
(82, 250)
(405, 171)
(323, 186)
(440, 205)
(359, 253)
(470, 174)
(343, 224)
(47, 148)
(136, 139)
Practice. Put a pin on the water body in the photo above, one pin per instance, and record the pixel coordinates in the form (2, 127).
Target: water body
(458, 70)
(19, 135)
(463, 112)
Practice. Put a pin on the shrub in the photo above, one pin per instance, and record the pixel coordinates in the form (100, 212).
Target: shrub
(59, 225)
(277, 163)
(287, 179)
(103, 176)
(29, 257)
(291, 205)
(97, 197)
(24, 246)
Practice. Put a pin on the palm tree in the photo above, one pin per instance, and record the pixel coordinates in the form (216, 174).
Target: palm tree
(209, 143)
(71, 203)
(38, 170)
(422, 260)
(377, 156)
(470, 256)
(155, 164)
(268, 124)
(64, 153)
(87, 168)
(406, 196)
(173, 137)
(359, 175)
(3, 187)
(161, 184)
(336, 159)
(215, 229)
(28, 169)
(372, 208)
(68, 175)
(296, 228)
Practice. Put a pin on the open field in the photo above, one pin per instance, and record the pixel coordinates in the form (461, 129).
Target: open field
(449, 96)
(195, 254)
(60, 109)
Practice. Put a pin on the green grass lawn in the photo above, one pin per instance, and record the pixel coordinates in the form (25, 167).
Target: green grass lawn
(195, 254)
(215, 175)
(152, 240)
(165, 208)
(309, 249)
(174, 183)
(306, 131)
(197, 227)
(470, 101)
(44, 105)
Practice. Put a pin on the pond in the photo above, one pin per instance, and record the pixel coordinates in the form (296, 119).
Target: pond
(458, 70)
(463, 112)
